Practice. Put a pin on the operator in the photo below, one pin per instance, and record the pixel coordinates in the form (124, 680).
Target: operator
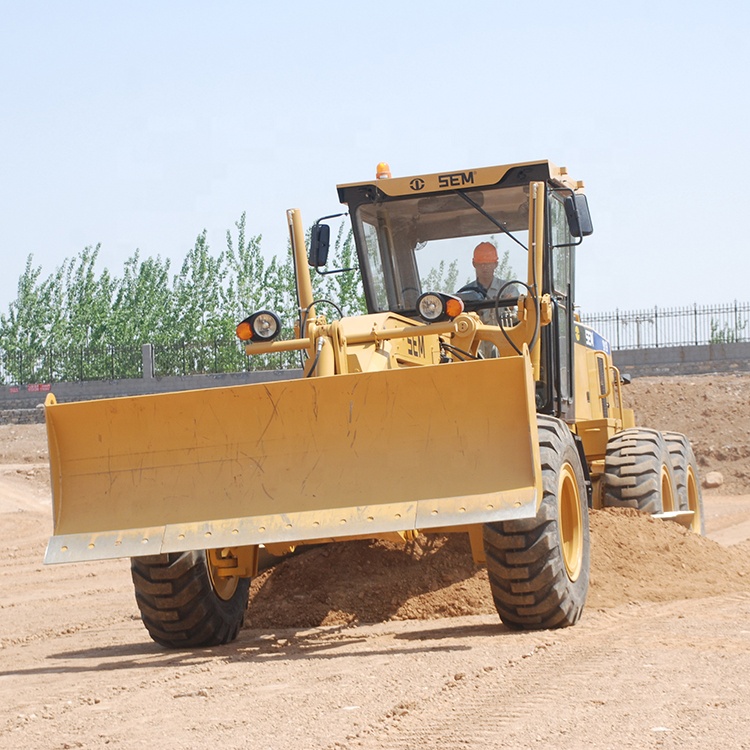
(487, 285)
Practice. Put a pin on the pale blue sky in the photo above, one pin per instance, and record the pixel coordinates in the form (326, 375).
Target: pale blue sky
(137, 125)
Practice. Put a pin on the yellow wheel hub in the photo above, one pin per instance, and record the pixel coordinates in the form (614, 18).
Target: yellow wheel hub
(224, 586)
(693, 504)
(667, 491)
(570, 522)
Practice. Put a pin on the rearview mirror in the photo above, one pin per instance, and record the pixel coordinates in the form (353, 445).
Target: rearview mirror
(579, 218)
(320, 242)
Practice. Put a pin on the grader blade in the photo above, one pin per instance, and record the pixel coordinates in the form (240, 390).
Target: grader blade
(296, 460)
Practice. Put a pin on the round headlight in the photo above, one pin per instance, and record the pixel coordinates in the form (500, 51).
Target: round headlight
(435, 306)
(260, 326)
(266, 326)
(430, 306)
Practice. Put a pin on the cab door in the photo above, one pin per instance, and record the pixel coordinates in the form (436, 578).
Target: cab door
(559, 283)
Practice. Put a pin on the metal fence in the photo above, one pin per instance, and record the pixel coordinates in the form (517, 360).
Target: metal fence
(182, 358)
(678, 326)
(636, 329)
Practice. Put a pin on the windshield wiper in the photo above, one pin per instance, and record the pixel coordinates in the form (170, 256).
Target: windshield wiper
(491, 218)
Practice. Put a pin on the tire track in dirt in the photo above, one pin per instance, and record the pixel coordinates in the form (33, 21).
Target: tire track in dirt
(567, 676)
(49, 634)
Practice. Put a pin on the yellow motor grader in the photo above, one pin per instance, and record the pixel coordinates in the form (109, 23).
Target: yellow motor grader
(452, 406)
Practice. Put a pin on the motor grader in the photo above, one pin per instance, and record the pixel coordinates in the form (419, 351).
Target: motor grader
(443, 409)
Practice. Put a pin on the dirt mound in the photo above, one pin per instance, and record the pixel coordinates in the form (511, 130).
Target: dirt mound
(23, 443)
(633, 558)
(371, 582)
(712, 410)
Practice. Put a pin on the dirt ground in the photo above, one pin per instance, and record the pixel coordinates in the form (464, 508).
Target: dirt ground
(368, 645)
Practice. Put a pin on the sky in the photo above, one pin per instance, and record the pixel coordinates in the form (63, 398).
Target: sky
(138, 125)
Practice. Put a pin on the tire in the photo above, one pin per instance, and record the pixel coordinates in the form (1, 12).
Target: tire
(539, 567)
(183, 604)
(638, 472)
(687, 488)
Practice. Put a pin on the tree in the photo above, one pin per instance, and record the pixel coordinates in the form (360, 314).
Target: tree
(245, 268)
(441, 278)
(86, 301)
(79, 323)
(33, 322)
(143, 305)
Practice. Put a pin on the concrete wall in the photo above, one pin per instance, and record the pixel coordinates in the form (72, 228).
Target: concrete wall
(684, 360)
(18, 403)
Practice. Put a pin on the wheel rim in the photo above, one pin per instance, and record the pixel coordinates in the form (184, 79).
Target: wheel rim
(667, 492)
(224, 586)
(570, 522)
(693, 504)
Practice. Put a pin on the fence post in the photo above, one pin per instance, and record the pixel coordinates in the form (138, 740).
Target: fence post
(656, 326)
(147, 358)
(736, 323)
(695, 321)
(617, 318)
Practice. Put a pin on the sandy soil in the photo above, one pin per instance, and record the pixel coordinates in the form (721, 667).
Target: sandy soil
(374, 646)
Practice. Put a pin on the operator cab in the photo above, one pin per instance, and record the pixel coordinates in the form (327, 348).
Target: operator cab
(418, 234)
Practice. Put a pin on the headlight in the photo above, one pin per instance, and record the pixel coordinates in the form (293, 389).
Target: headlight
(260, 326)
(434, 306)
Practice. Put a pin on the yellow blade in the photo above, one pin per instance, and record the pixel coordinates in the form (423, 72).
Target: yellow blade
(294, 460)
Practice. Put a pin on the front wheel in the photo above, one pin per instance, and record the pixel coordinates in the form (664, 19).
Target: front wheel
(185, 603)
(539, 567)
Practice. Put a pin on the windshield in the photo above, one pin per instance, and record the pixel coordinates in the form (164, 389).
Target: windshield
(418, 244)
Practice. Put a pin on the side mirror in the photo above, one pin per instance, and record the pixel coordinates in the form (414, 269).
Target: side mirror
(320, 243)
(579, 218)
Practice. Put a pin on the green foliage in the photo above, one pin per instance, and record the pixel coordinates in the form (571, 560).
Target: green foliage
(142, 303)
(80, 323)
(504, 269)
(727, 334)
(442, 279)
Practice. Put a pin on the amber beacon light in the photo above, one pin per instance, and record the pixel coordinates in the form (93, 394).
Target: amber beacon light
(383, 171)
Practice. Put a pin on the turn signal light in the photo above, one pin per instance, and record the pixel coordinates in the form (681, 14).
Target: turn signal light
(435, 306)
(260, 326)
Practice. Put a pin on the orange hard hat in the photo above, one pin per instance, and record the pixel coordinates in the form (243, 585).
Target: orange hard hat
(485, 252)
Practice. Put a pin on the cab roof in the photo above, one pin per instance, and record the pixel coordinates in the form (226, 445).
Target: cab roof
(501, 176)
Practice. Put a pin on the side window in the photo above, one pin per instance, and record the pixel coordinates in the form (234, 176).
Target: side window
(376, 265)
(560, 241)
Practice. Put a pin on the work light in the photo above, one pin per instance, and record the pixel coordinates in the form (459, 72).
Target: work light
(435, 306)
(260, 326)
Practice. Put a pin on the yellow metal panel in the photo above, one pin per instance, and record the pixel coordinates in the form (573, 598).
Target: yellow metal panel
(293, 460)
(594, 434)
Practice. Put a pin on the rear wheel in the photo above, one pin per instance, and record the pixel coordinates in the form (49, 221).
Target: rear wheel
(185, 603)
(687, 488)
(539, 567)
(638, 472)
